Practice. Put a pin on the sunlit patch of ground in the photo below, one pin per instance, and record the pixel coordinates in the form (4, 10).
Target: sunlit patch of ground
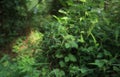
(28, 43)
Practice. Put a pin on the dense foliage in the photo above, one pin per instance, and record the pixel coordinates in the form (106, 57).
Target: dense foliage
(60, 38)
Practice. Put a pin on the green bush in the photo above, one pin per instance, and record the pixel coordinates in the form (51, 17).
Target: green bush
(83, 41)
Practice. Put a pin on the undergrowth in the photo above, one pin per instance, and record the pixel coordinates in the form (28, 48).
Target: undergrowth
(77, 38)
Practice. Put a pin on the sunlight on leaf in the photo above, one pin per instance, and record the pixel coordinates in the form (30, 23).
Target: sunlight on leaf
(35, 37)
(83, 0)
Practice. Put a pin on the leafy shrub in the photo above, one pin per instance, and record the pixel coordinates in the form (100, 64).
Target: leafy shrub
(79, 42)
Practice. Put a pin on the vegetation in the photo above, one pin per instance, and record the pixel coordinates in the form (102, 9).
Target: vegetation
(59, 38)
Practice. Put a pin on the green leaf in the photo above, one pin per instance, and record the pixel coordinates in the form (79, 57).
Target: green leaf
(69, 37)
(74, 69)
(83, 0)
(67, 45)
(107, 53)
(84, 70)
(99, 63)
(71, 44)
(62, 64)
(100, 55)
(63, 12)
(72, 58)
(58, 73)
(57, 18)
(116, 69)
(81, 39)
(66, 59)
(58, 55)
(74, 44)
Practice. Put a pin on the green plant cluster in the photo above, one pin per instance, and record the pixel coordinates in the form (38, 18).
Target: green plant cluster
(71, 38)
